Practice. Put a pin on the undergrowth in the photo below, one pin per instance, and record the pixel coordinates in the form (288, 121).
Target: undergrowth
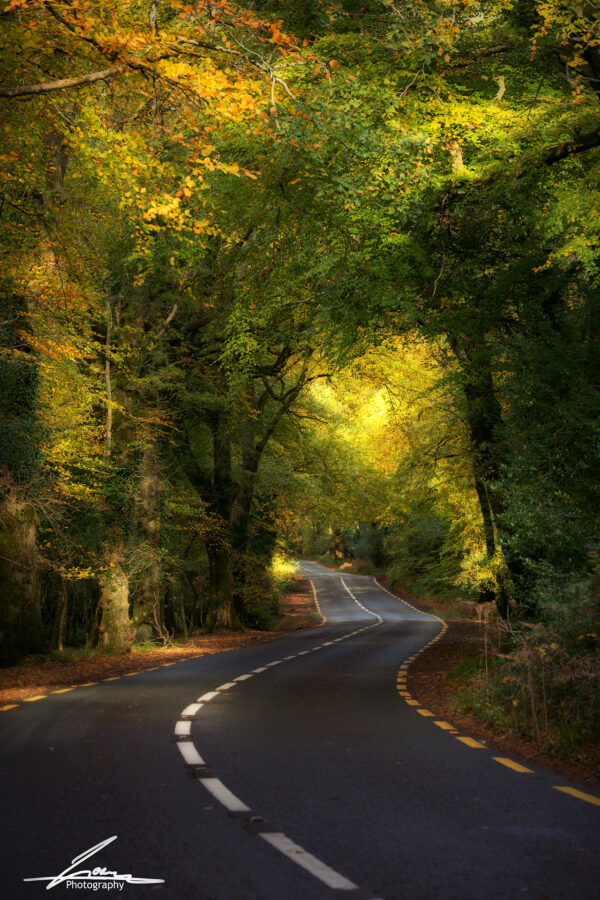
(541, 679)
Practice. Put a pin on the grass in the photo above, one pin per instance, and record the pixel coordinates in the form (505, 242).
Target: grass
(149, 646)
(285, 572)
(465, 670)
(527, 701)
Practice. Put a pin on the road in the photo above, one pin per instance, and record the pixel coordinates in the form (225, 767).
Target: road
(292, 770)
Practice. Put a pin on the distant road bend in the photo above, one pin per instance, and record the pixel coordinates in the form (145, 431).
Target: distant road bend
(298, 769)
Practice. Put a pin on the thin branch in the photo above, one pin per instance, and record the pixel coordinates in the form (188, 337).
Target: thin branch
(15, 562)
(483, 51)
(167, 322)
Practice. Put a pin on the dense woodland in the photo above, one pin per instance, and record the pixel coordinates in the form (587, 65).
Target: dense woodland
(310, 278)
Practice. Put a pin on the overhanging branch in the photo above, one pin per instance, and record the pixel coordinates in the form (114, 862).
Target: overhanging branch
(28, 90)
(569, 148)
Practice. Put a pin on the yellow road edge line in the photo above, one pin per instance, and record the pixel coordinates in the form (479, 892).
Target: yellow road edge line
(316, 599)
(9, 706)
(37, 697)
(112, 678)
(446, 726)
(64, 690)
(471, 742)
(87, 684)
(403, 670)
(511, 764)
(589, 798)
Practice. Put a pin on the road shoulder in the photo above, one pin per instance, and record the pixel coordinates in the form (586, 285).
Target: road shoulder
(430, 683)
(38, 678)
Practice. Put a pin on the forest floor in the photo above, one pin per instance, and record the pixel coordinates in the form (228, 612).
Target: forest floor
(42, 675)
(433, 681)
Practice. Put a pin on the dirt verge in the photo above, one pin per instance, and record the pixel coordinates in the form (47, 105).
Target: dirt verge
(429, 684)
(33, 677)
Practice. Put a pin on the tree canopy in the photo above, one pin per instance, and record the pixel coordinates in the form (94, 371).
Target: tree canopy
(318, 275)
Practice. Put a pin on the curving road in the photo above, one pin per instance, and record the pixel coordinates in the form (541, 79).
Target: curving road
(294, 770)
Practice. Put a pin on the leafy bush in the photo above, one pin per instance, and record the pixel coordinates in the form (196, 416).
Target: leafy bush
(544, 680)
(421, 551)
(367, 541)
(256, 594)
(284, 571)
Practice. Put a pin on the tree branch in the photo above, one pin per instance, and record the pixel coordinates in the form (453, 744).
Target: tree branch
(28, 90)
(586, 142)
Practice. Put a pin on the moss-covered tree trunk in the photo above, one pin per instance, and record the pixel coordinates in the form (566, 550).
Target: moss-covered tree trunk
(484, 420)
(147, 608)
(21, 628)
(221, 612)
(116, 631)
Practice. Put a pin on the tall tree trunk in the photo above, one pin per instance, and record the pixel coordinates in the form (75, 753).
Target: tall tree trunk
(21, 627)
(484, 418)
(181, 624)
(147, 610)
(93, 625)
(486, 514)
(240, 515)
(58, 160)
(116, 632)
(60, 619)
(221, 612)
(108, 381)
(244, 495)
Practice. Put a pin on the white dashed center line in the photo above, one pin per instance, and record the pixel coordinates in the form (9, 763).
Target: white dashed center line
(358, 603)
(309, 862)
(233, 804)
(216, 787)
(190, 754)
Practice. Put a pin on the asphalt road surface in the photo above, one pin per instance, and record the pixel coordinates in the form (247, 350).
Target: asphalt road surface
(293, 770)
